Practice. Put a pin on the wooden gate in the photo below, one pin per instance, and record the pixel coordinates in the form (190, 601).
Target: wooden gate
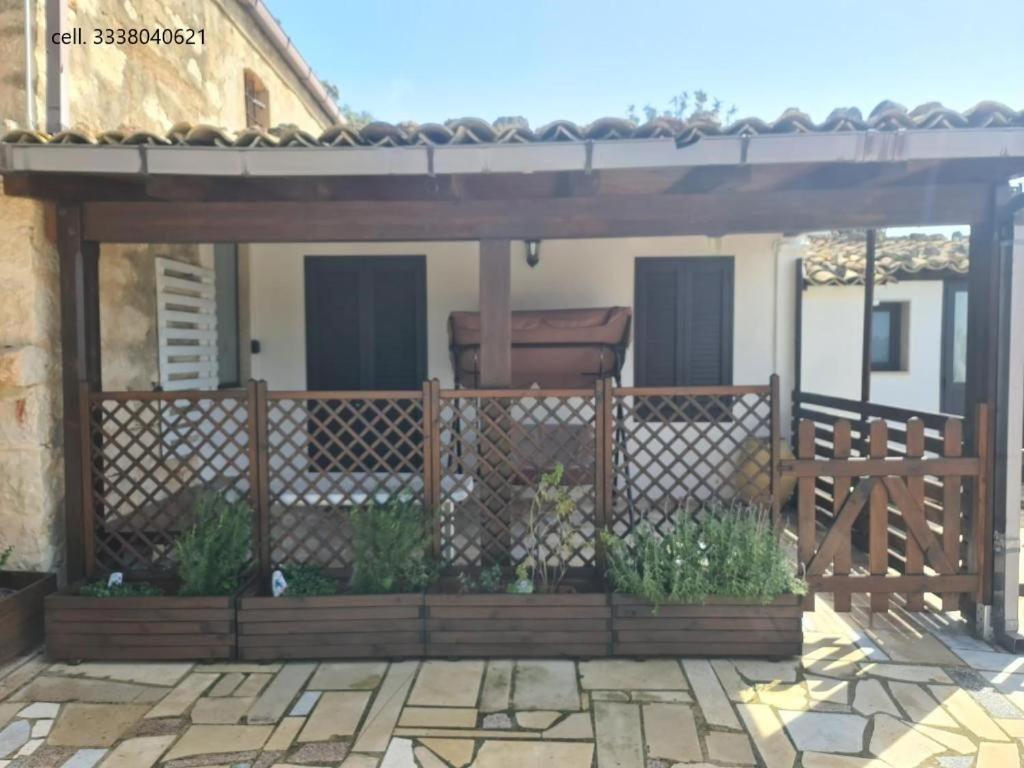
(918, 493)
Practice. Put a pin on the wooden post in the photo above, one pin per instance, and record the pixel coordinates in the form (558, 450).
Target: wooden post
(878, 522)
(495, 313)
(258, 413)
(80, 362)
(496, 372)
(915, 485)
(774, 436)
(952, 447)
(984, 290)
(805, 505)
(841, 599)
(87, 447)
(431, 461)
(980, 531)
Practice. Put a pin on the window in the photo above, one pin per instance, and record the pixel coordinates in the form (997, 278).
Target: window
(225, 267)
(684, 323)
(888, 330)
(257, 102)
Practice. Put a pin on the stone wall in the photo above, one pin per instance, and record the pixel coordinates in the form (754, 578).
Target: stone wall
(142, 86)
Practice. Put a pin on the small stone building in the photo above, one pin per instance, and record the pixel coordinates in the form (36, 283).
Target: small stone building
(241, 71)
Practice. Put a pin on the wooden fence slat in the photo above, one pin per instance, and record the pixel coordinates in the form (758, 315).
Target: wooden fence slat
(841, 598)
(805, 505)
(878, 526)
(953, 441)
(915, 486)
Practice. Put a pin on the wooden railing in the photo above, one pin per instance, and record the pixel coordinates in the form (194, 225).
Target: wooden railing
(910, 471)
(630, 455)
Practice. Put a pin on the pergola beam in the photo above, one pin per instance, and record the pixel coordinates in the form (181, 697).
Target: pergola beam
(611, 216)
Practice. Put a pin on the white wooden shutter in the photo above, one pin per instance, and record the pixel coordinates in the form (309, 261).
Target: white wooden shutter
(186, 298)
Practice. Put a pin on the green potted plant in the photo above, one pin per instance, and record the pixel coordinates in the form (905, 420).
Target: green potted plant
(190, 615)
(538, 606)
(718, 583)
(373, 611)
(21, 607)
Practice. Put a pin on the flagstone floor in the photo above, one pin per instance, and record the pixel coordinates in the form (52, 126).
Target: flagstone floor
(902, 693)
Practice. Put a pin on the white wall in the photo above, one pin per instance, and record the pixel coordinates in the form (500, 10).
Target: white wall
(571, 273)
(832, 344)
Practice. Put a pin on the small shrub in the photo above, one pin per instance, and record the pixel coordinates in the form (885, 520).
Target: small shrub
(213, 554)
(744, 558)
(552, 534)
(126, 589)
(5, 555)
(491, 580)
(659, 569)
(390, 544)
(728, 552)
(308, 581)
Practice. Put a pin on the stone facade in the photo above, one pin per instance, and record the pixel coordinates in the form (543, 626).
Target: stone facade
(133, 86)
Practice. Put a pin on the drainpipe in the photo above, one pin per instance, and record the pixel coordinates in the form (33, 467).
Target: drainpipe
(30, 102)
(283, 44)
(56, 67)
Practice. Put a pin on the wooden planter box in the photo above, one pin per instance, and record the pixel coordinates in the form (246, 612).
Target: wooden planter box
(488, 625)
(21, 614)
(139, 628)
(335, 627)
(722, 626)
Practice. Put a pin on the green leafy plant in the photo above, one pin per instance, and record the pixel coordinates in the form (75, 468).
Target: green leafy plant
(126, 589)
(552, 533)
(729, 551)
(308, 581)
(659, 568)
(390, 544)
(5, 555)
(489, 581)
(214, 553)
(743, 555)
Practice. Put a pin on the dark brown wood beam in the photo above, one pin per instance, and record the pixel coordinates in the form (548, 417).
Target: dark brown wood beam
(495, 313)
(985, 279)
(80, 358)
(625, 216)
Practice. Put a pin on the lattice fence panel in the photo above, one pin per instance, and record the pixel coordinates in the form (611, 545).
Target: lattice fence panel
(493, 451)
(152, 455)
(328, 455)
(676, 450)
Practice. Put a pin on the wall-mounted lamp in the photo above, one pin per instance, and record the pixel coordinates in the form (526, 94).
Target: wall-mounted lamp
(532, 252)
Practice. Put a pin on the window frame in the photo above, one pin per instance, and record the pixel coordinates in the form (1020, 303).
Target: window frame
(257, 101)
(897, 319)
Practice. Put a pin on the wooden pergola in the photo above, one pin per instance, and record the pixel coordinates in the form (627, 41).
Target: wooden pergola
(495, 193)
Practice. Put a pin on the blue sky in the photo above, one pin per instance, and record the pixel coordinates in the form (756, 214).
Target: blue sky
(430, 60)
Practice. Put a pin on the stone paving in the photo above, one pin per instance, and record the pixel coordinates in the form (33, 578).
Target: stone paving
(902, 693)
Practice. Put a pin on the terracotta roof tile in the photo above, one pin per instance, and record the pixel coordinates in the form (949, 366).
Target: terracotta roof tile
(887, 116)
(838, 258)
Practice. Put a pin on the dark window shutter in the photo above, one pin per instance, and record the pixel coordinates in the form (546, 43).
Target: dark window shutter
(684, 322)
(333, 350)
(707, 323)
(396, 296)
(657, 326)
